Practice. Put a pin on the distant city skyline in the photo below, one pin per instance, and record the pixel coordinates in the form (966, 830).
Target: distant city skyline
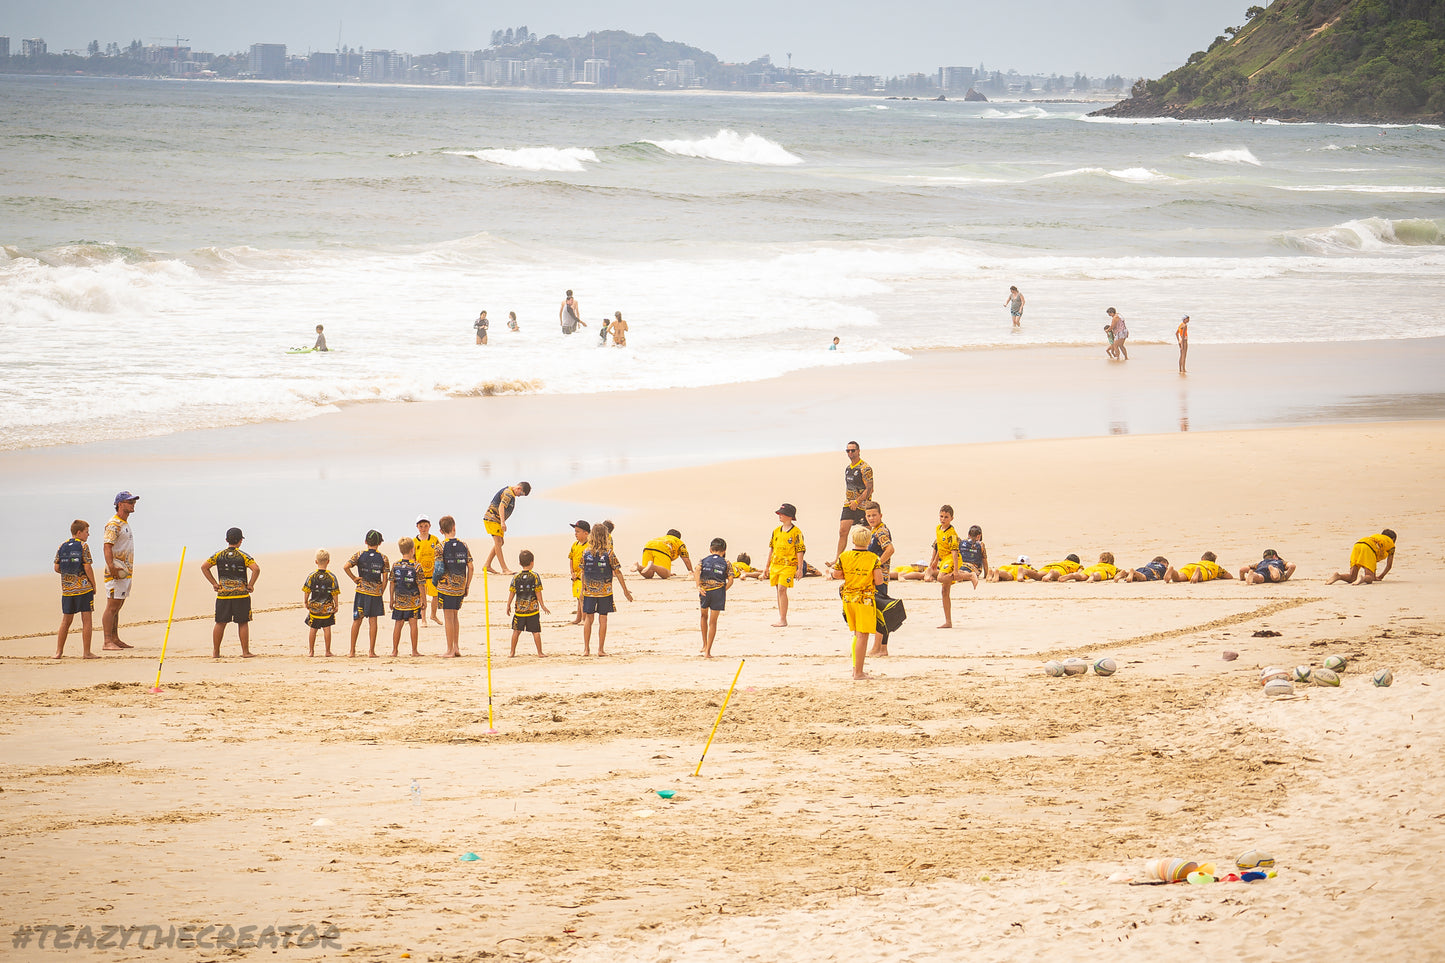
(1131, 37)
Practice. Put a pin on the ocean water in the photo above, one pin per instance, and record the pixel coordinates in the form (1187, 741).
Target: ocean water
(164, 243)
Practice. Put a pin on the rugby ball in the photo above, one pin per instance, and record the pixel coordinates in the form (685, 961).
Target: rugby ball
(1254, 859)
(1105, 666)
(1278, 687)
(1272, 672)
(1075, 666)
(1301, 673)
(1383, 678)
(1326, 677)
(1336, 663)
(1054, 669)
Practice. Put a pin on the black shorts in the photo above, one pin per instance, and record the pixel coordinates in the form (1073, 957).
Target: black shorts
(75, 604)
(233, 610)
(853, 515)
(320, 621)
(405, 615)
(531, 622)
(598, 605)
(367, 606)
(450, 603)
(716, 599)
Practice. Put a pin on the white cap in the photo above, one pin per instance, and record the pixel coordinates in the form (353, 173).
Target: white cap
(423, 517)
(1023, 560)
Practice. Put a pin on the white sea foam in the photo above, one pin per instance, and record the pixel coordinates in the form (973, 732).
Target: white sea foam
(1023, 113)
(1232, 155)
(1366, 188)
(1136, 175)
(568, 160)
(730, 146)
(1367, 234)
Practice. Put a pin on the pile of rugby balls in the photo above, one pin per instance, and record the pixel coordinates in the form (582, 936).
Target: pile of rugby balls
(1076, 666)
(1279, 682)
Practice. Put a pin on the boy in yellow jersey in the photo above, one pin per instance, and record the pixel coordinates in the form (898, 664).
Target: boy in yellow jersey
(1104, 571)
(658, 554)
(785, 558)
(1013, 571)
(858, 568)
(944, 563)
(1054, 571)
(1364, 556)
(426, 545)
(1207, 569)
(743, 567)
(526, 593)
(581, 529)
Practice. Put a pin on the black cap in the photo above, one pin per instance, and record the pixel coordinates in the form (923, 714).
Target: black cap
(373, 538)
(233, 535)
(786, 509)
(583, 524)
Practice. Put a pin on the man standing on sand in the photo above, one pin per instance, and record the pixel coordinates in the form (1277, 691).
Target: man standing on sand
(119, 564)
(496, 521)
(570, 315)
(857, 489)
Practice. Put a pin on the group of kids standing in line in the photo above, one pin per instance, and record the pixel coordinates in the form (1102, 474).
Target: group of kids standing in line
(441, 569)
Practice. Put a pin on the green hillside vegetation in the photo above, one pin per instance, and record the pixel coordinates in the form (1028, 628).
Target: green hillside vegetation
(1367, 61)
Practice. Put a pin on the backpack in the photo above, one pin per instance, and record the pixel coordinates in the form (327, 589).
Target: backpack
(370, 566)
(405, 578)
(890, 616)
(71, 557)
(322, 590)
(230, 565)
(451, 561)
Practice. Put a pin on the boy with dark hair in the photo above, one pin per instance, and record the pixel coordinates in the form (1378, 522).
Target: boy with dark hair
(321, 595)
(1154, 571)
(658, 555)
(1271, 568)
(1207, 569)
(526, 591)
(495, 521)
(408, 595)
(77, 587)
(371, 570)
(453, 575)
(1364, 556)
(426, 545)
(714, 577)
(943, 566)
(237, 573)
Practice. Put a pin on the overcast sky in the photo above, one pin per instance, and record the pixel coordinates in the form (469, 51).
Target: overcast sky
(1097, 37)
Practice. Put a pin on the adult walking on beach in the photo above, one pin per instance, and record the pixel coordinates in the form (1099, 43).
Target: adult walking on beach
(857, 489)
(1181, 334)
(119, 564)
(496, 521)
(1119, 333)
(1015, 305)
(570, 314)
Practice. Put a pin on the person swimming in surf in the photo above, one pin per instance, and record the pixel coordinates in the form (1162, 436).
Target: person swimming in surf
(570, 315)
(320, 344)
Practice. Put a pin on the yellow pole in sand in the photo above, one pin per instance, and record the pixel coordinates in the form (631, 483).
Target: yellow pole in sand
(741, 663)
(170, 618)
(487, 614)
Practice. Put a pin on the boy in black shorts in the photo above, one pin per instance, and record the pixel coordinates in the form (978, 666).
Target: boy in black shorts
(321, 595)
(234, 581)
(408, 595)
(371, 571)
(526, 592)
(77, 587)
(714, 577)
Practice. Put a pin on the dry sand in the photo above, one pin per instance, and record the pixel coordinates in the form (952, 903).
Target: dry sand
(960, 805)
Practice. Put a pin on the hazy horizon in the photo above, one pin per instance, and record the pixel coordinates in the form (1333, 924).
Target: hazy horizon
(1128, 37)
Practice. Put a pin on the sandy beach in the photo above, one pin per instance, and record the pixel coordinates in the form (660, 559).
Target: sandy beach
(960, 804)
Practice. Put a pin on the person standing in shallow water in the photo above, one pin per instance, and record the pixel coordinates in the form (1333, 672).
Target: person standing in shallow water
(1015, 305)
(1120, 334)
(570, 315)
(1181, 334)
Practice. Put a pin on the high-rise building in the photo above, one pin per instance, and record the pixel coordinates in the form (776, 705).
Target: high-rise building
(955, 78)
(687, 73)
(268, 61)
(33, 48)
(321, 66)
(4, 47)
(459, 64)
(599, 73)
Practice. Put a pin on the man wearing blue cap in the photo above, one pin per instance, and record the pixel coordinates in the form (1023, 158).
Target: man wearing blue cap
(119, 563)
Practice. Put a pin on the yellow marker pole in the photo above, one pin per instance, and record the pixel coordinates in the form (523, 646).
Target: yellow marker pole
(741, 663)
(487, 615)
(170, 618)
